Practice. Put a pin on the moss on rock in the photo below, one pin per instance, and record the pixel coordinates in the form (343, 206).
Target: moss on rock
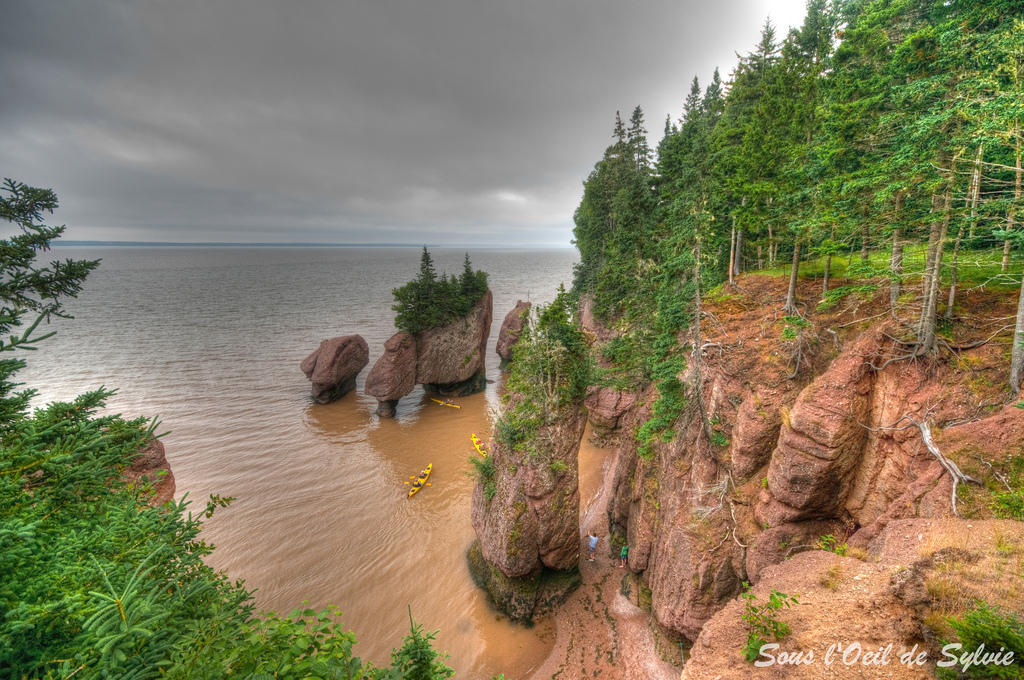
(521, 599)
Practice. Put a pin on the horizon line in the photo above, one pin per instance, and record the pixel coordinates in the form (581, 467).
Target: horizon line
(272, 244)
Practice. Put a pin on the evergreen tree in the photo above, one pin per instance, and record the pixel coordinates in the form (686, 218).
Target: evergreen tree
(636, 137)
(746, 151)
(429, 301)
(613, 222)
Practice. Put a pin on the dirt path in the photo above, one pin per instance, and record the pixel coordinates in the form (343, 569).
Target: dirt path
(599, 633)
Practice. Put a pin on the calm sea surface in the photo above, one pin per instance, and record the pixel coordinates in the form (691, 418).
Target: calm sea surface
(210, 340)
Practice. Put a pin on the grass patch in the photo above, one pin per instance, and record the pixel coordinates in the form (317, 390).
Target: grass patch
(976, 267)
(831, 577)
(857, 553)
(484, 468)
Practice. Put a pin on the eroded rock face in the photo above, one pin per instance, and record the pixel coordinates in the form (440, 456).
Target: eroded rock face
(522, 598)
(756, 431)
(530, 523)
(689, 581)
(512, 329)
(394, 374)
(820, 443)
(334, 365)
(605, 408)
(450, 359)
(874, 603)
(779, 543)
(151, 467)
(590, 322)
(808, 453)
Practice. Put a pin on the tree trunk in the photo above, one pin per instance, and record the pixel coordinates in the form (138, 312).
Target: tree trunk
(771, 248)
(975, 189)
(865, 240)
(973, 193)
(1010, 215)
(1006, 243)
(737, 264)
(895, 268)
(953, 276)
(760, 259)
(698, 373)
(828, 264)
(933, 270)
(824, 283)
(1017, 353)
(790, 307)
(732, 248)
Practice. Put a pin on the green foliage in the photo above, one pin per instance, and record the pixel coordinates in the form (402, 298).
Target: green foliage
(995, 629)
(613, 221)
(857, 129)
(417, 659)
(670, 403)
(429, 301)
(484, 468)
(793, 326)
(762, 620)
(552, 369)
(30, 293)
(96, 582)
(719, 439)
(830, 543)
(833, 296)
(1009, 503)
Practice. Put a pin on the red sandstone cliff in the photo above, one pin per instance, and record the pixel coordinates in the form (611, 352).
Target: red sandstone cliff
(796, 454)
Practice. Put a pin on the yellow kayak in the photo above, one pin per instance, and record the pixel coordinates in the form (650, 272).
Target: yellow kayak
(421, 480)
(444, 403)
(479, 444)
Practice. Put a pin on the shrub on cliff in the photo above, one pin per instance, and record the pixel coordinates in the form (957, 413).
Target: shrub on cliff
(1000, 632)
(96, 583)
(429, 301)
(551, 370)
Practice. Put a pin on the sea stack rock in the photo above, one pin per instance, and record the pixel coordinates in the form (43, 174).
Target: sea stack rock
(393, 375)
(526, 518)
(447, 360)
(512, 329)
(334, 365)
(150, 466)
(450, 358)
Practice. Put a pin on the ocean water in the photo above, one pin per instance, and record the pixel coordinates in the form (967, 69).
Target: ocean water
(210, 340)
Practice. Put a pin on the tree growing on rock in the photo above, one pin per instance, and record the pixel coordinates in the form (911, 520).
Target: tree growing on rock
(552, 366)
(429, 301)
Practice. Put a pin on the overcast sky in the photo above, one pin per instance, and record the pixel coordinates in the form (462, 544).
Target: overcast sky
(469, 122)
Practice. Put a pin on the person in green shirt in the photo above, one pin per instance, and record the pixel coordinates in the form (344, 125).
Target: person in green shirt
(623, 554)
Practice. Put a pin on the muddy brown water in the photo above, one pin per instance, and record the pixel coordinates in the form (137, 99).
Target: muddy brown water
(210, 340)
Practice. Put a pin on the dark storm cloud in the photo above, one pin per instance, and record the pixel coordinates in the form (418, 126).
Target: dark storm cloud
(448, 121)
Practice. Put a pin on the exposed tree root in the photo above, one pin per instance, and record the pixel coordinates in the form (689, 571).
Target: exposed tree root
(957, 475)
